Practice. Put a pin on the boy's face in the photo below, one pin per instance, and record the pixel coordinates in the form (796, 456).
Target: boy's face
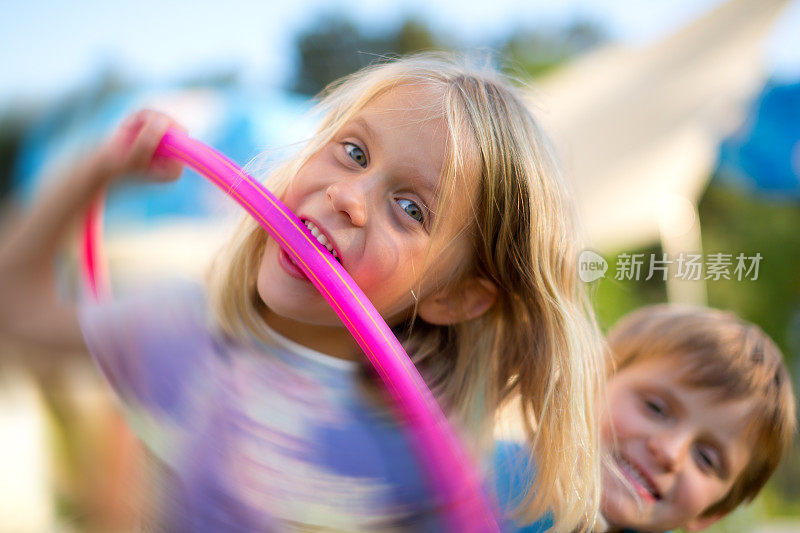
(680, 449)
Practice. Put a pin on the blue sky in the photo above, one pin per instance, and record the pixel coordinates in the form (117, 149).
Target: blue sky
(50, 47)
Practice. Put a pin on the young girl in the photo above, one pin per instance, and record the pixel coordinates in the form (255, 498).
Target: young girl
(433, 186)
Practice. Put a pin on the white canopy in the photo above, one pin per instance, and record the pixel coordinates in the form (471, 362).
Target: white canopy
(639, 129)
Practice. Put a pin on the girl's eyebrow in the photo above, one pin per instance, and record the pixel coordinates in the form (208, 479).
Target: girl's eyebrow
(361, 122)
(427, 190)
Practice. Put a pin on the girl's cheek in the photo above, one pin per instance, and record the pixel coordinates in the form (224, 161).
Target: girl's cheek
(381, 263)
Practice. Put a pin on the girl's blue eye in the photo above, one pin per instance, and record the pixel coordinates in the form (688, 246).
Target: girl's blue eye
(356, 154)
(411, 209)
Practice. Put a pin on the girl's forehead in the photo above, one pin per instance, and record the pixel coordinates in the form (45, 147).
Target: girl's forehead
(416, 102)
(414, 92)
(423, 105)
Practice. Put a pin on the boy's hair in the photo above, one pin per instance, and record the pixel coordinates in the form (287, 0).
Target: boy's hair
(539, 343)
(737, 360)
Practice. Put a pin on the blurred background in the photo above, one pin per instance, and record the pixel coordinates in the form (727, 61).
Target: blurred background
(678, 125)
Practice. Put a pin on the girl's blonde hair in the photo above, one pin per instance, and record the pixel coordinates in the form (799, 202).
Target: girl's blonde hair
(537, 347)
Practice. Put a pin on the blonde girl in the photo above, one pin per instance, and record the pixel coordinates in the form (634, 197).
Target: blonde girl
(435, 188)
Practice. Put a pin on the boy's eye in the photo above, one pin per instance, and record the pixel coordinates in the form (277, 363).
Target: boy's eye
(356, 154)
(655, 407)
(706, 458)
(411, 209)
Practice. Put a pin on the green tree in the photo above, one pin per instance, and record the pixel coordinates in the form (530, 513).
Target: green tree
(335, 46)
(535, 51)
(13, 124)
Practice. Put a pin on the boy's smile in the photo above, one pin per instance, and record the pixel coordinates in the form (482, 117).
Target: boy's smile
(369, 197)
(679, 448)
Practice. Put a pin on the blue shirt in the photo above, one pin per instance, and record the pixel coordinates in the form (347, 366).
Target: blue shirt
(513, 474)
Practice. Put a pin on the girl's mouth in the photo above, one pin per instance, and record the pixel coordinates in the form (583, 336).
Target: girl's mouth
(288, 265)
(321, 238)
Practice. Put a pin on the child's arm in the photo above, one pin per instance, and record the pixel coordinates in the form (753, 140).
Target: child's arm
(30, 309)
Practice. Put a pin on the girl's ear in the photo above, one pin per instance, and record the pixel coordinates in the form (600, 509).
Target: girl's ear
(462, 302)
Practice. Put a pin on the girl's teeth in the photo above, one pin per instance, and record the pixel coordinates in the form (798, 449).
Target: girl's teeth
(321, 238)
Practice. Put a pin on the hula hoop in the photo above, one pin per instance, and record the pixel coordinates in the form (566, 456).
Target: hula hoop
(449, 470)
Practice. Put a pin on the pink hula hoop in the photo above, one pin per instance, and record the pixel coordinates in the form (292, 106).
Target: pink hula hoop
(450, 471)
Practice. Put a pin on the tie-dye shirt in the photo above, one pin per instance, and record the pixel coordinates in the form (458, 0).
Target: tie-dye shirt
(260, 437)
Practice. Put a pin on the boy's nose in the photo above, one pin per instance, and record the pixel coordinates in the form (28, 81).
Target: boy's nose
(669, 449)
(349, 197)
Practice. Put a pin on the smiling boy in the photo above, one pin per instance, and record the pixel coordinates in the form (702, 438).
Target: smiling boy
(700, 412)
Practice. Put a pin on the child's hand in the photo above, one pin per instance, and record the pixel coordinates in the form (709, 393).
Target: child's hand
(131, 148)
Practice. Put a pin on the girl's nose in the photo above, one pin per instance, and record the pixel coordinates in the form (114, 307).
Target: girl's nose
(349, 197)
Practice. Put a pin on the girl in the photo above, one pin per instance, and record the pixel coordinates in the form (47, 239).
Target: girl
(434, 187)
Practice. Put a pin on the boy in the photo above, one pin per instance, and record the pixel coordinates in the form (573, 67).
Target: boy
(700, 412)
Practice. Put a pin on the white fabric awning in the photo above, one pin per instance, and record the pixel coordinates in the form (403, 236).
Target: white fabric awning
(636, 126)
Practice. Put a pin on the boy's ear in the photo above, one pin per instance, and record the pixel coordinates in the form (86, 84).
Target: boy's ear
(464, 301)
(702, 522)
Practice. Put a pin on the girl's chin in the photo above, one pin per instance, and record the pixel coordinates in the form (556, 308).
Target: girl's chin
(307, 316)
(291, 305)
